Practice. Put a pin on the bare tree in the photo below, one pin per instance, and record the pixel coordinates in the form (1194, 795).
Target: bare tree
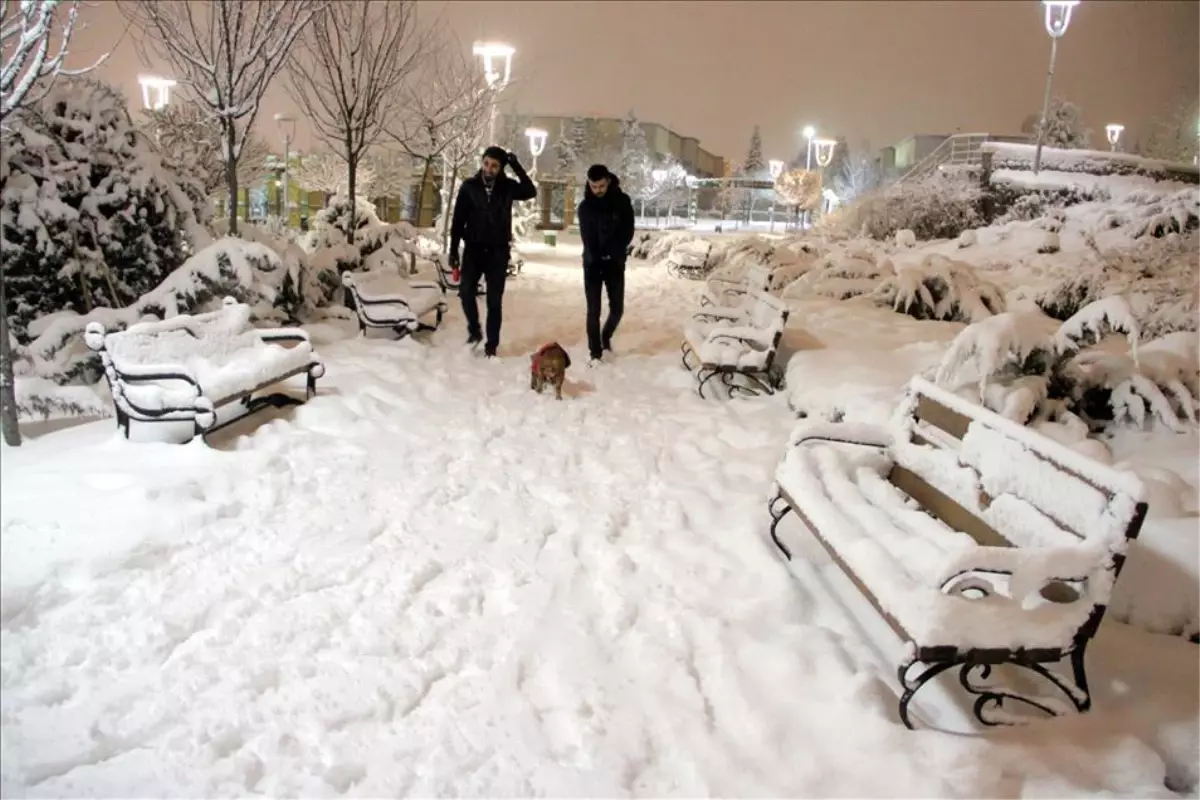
(27, 72)
(447, 97)
(226, 52)
(191, 143)
(326, 172)
(356, 56)
(463, 143)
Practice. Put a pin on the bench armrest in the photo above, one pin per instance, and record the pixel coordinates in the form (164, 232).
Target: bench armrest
(742, 333)
(841, 433)
(424, 285)
(1025, 571)
(718, 313)
(282, 334)
(149, 373)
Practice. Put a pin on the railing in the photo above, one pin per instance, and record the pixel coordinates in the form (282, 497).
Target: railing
(961, 149)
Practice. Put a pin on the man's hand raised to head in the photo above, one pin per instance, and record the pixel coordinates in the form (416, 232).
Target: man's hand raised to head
(513, 162)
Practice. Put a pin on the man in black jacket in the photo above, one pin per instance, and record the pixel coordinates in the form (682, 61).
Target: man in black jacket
(483, 219)
(606, 227)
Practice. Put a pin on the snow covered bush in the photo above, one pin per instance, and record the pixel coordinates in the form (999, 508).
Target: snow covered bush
(1064, 126)
(1177, 213)
(1159, 276)
(1029, 369)
(329, 225)
(934, 207)
(939, 289)
(525, 219)
(89, 217)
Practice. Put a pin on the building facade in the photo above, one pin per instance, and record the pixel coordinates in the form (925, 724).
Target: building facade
(603, 136)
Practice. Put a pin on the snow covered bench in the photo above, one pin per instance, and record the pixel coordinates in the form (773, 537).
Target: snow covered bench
(740, 351)
(446, 275)
(979, 541)
(186, 367)
(383, 299)
(736, 294)
(690, 259)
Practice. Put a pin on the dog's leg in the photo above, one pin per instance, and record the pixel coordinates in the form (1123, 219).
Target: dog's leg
(558, 384)
(533, 379)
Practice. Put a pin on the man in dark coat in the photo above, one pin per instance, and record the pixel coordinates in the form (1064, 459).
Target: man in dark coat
(606, 227)
(483, 219)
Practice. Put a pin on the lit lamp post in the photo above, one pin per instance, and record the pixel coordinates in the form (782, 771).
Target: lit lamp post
(824, 150)
(496, 80)
(537, 144)
(1058, 17)
(287, 126)
(809, 133)
(156, 91)
(1114, 135)
(776, 168)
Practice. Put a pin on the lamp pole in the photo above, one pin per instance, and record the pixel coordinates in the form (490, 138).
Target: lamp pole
(776, 168)
(809, 133)
(1058, 17)
(824, 148)
(156, 94)
(537, 143)
(496, 80)
(287, 126)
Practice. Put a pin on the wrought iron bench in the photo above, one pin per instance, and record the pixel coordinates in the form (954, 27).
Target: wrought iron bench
(187, 367)
(446, 279)
(741, 351)
(980, 542)
(383, 299)
(690, 260)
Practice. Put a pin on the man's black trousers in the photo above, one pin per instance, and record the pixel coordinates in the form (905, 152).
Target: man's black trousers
(607, 277)
(491, 263)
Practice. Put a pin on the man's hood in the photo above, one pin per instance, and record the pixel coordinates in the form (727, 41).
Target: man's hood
(614, 188)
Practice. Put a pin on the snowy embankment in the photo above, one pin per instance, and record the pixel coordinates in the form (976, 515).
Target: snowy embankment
(428, 582)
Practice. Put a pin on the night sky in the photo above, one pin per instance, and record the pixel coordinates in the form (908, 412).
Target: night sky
(871, 71)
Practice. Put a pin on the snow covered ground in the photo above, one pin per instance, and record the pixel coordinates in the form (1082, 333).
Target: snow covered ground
(429, 581)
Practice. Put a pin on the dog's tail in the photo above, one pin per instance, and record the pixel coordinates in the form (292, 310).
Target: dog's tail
(567, 357)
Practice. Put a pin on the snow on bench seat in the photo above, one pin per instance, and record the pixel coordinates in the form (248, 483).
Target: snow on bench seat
(185, 367)
(384, 299)
(727, 346)
(735, 296)
(978, 540)
(689, 259)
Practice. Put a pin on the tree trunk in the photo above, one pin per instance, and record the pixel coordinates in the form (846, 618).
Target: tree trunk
(421, 192)
(9, 423)
(448, 211)
(231, 178)
(351, 185)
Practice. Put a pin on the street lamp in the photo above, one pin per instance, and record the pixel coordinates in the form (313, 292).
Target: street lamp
(156, 87)
(1114, 135)
(776, 168)
(809, 133)
(537, 143)
(495, 79)
(287, 126)
(1058, 17)
(824, 150)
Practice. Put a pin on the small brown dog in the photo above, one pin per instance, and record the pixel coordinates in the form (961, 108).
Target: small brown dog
(549, 366)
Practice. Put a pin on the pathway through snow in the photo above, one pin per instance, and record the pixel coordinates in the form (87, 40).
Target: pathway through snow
(430, 581)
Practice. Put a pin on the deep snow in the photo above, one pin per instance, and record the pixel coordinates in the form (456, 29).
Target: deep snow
(429, 581)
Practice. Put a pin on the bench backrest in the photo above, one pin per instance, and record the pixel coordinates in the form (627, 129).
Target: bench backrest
(768, 312)
(1005, 484)
(758, 278)
(213, 334)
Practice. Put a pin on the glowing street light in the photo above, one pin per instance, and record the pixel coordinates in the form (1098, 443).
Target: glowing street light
(1114, 135)
(1058, 17)
(496, 80)
(537, 143)
(809, 133)
(287, 126)
(776, 168)
(824, 148)
(156, 91)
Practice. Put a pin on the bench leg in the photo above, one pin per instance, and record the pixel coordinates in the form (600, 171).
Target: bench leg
(913, 685)
(686, 350)
(778, 508)
(704, 376)
(992, 697)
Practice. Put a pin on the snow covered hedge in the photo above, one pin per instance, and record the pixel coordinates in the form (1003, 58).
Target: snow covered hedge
(936, 207)
(1013, 156)
(89, 217)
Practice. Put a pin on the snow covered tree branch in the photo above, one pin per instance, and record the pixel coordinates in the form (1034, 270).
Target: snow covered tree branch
(190, 143)
(27, 73)
(447, 100)
(354, 59)
(226, 52)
